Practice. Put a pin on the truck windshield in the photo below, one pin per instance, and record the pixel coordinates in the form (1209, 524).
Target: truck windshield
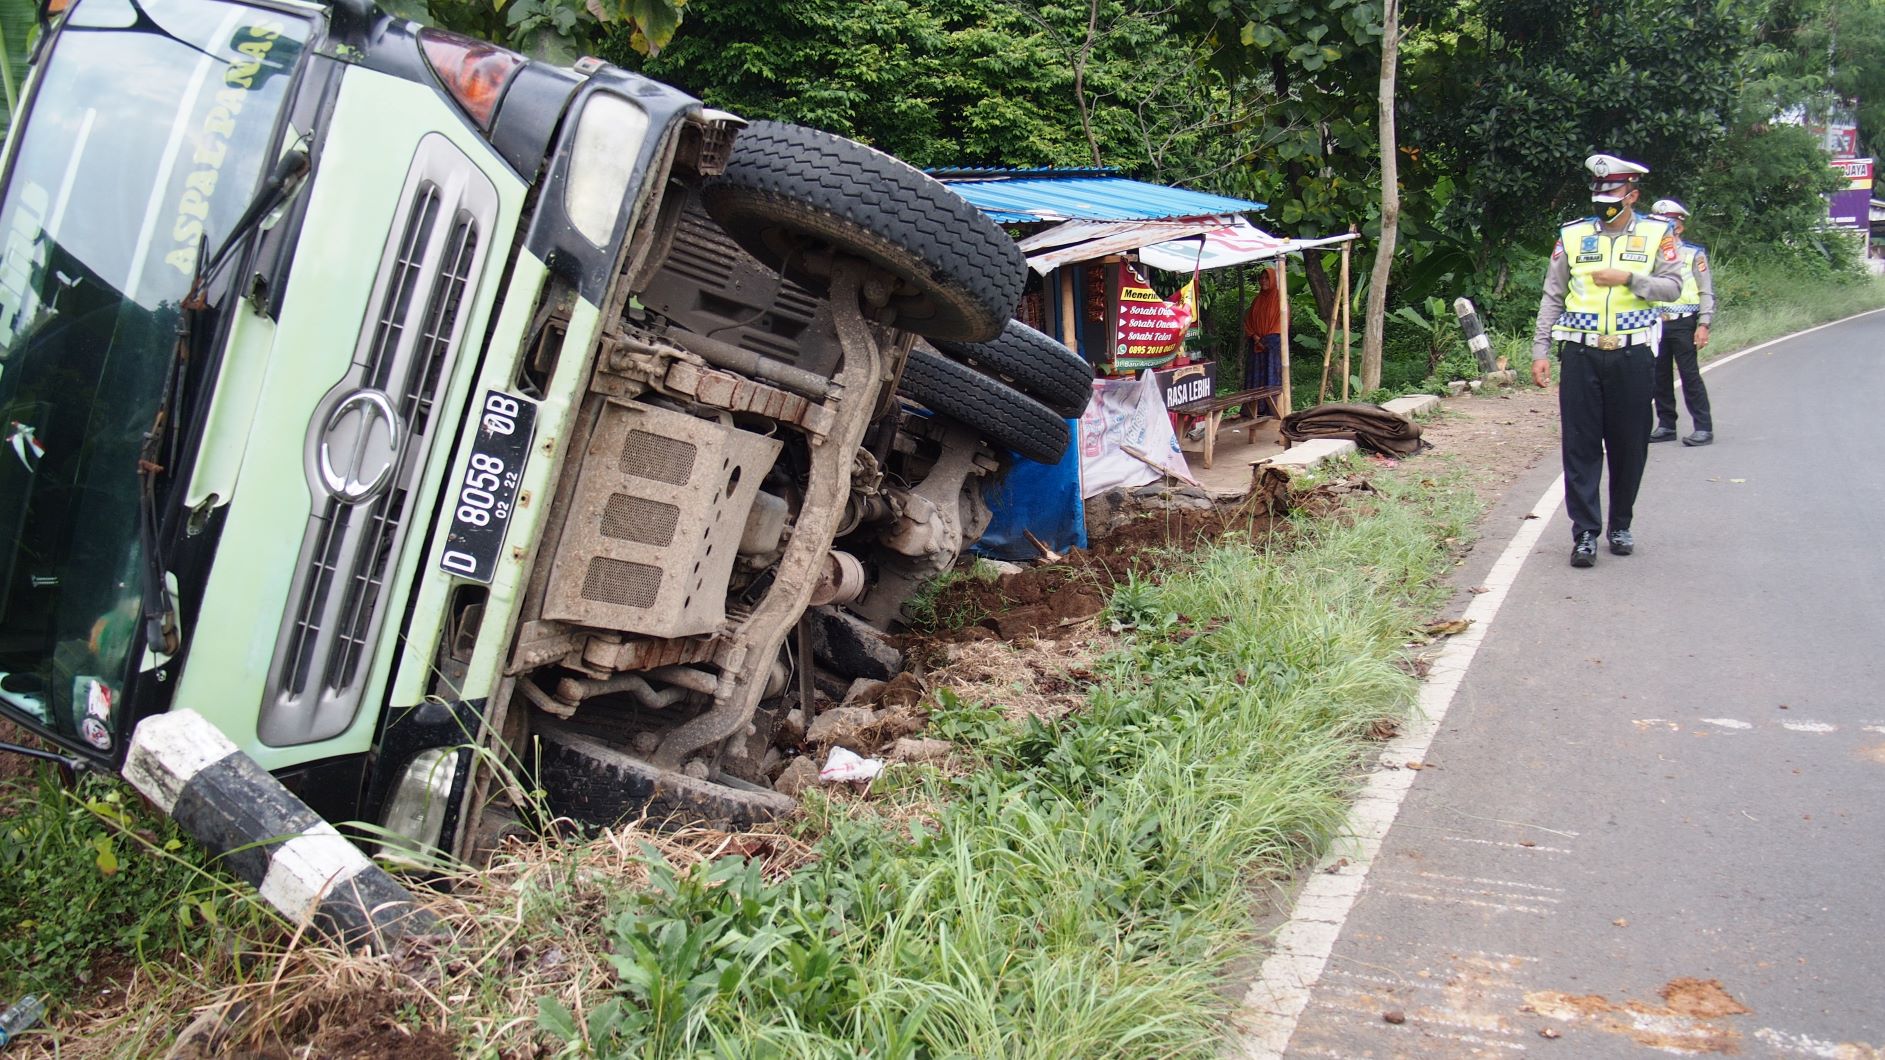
(146, 137)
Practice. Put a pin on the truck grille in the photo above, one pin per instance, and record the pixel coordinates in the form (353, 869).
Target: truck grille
(405, 353)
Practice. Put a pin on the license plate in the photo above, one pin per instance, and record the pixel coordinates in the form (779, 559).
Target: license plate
(482, 500)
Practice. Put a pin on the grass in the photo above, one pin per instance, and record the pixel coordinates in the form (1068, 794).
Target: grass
(1081, 895)
(928, 607)
(1759, 301)
(1080, 892)
(89, 877)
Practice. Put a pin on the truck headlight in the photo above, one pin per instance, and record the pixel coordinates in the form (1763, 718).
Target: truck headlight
(609, 136)
(415, 813)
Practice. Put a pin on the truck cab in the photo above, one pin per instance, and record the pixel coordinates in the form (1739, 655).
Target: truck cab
(422, 415)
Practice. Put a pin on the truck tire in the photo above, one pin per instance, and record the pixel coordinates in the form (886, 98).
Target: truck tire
(1036, 364)
(789, 193)
(1009, 419)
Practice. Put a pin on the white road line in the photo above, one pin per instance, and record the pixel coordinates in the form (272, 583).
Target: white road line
(1536, 848)
(1728, 723)
(1274, 1003)
(1802, 1045)
(1495, 883)
(1808, 726)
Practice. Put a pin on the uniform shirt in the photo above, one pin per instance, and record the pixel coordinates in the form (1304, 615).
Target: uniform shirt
(1704, 284)
(1662, 283)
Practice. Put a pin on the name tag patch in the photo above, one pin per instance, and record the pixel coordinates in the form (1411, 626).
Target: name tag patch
(1627, 256)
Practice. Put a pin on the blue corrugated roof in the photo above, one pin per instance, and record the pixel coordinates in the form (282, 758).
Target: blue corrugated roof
(1020, 196)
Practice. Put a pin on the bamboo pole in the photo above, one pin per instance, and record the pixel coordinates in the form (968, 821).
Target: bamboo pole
(1328, 352)
(1282, 294)
(1345, 315)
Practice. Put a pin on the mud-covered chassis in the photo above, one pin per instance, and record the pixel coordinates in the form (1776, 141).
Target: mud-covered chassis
(747, 458)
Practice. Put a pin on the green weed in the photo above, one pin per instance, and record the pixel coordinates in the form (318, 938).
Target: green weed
(1080, 894)
(91, 873)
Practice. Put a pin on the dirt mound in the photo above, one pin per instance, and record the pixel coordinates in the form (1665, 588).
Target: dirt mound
(1045, 600)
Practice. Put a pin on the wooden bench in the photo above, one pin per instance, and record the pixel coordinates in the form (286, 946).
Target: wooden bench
(1212, 410)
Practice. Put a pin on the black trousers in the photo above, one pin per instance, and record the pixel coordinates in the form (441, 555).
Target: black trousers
(1604, 404)
(1677, 353)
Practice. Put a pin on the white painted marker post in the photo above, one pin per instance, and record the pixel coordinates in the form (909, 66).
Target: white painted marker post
(264, 835)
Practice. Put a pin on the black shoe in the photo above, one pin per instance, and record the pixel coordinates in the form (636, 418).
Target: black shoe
(1699, 438)
(1622, 543)
(1663, 434)
(1584, 553)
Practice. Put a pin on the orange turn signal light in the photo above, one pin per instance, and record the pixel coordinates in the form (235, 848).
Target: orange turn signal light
(473, 71)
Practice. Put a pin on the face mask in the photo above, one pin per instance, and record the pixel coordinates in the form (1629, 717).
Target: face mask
(1609, 211)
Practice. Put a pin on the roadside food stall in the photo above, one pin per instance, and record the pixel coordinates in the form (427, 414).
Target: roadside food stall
(1086, 233)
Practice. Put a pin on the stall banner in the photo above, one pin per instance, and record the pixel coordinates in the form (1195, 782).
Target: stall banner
(1851, 208)
(1187, 300)
(1187, 383)
(1126, 415)
(1150, 330)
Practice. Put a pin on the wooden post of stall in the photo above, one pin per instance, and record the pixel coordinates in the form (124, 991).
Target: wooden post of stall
(1328, 351)
(1282, 295)
(1345, 300)
(1068, 333)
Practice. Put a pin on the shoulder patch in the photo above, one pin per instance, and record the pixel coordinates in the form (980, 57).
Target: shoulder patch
(1669, 251)
(1557, 249)
(1701, 262)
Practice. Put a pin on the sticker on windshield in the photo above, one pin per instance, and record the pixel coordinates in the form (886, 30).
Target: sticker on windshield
(95, 724)
(26, 446)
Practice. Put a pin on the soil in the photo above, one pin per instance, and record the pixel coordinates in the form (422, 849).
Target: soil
(1039, 601)
(1702, 998)
(1679, 1025)
(1494, 438)
(12, 766)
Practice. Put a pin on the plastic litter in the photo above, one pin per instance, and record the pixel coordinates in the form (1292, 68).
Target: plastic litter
(21, 1015)
(843, 764)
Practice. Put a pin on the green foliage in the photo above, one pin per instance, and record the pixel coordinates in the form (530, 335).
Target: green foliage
(944, 82)
(1082, 893)
(560, 31)
(1765, 198)
(18, 29)
(699, 946)
(88, 874)
(1553, 81)
(927, 608)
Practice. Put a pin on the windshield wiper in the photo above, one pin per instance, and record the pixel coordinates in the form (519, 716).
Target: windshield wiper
(159, 450)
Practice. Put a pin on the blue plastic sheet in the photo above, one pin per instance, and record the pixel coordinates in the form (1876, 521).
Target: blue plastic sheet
(1042, 498)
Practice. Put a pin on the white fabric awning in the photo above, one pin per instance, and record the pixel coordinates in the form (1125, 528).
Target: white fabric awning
(1231, 244)
(1073, 241)
(1178, 245)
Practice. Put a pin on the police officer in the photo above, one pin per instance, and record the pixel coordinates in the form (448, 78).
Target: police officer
(1684, 331)
(1606, 275)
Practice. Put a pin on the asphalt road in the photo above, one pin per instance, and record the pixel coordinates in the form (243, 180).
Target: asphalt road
(1653, 820)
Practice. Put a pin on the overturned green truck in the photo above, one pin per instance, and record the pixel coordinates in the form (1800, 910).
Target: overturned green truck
(382, 395)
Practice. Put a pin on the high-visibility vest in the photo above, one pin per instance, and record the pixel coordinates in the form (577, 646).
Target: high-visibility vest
(1690, 300)
(1609, 310)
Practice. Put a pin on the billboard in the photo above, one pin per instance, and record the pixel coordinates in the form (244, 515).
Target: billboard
(1852, 207)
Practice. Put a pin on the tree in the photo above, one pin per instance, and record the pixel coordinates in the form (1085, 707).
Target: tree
(1312, 63)
(1516, 93)
(1375, 323)
(952, 82)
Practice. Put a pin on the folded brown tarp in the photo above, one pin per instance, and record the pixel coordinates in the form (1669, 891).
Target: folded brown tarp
(1371, 426)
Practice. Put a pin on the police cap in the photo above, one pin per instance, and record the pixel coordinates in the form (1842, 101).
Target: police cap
(1611, 177)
